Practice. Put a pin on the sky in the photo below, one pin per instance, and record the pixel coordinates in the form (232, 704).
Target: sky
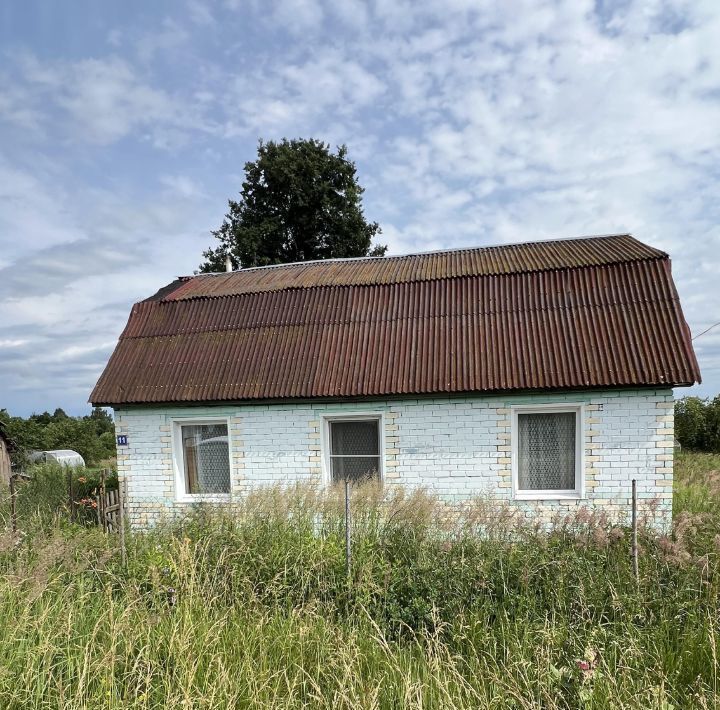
(124, 128)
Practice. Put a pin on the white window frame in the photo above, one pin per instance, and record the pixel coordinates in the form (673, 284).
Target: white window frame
(327, 419)
(181, 493)
(562, 408)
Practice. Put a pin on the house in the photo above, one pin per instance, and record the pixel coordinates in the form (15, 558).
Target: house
(537, 373)
(6, 448)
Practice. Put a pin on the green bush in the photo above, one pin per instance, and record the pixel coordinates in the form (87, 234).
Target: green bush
(44, 494)
(92, 436)
(697, 423)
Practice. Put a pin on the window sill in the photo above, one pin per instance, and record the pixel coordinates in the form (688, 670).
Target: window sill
(548, 495)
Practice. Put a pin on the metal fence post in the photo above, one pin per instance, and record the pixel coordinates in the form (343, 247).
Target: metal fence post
(347, 528)
(121, 511)
(71, 500)
(13, 503)
(636, 569)
(102, 500)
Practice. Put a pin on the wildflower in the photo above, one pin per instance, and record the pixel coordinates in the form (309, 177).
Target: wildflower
(82, 479)
(587, 668)
(588, 664)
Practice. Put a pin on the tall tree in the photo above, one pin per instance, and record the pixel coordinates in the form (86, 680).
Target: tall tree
(299, 202)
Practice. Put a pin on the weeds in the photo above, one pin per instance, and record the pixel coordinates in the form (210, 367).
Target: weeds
(251, 608)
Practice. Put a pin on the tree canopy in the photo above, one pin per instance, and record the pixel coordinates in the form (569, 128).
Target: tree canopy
(299, 202)
(697, 423)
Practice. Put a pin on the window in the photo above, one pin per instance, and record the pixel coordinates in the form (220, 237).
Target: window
(354, 449)
(547, 453)
(203, 457)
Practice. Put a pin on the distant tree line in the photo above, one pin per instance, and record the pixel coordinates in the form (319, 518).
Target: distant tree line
(697, 423)
(92, 436)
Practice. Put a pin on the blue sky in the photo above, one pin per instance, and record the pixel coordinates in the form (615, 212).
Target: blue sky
(124, 128)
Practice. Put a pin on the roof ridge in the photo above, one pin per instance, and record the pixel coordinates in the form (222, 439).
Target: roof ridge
(434, 279)
(409, 255)
(493, 260)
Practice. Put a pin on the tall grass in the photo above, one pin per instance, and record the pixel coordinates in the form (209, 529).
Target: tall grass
(252, 609)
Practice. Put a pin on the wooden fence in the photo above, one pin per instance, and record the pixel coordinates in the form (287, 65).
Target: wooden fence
(110, 508)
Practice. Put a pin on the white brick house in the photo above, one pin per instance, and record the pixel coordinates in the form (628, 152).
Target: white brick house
(539, 374)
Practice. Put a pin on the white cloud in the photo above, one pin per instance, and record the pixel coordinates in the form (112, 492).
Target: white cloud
(299, 16)
(33, 211)
(107, 102)
(200, 13)
(329, 79)
(353, 13)
(12, 342)
(170, 36)
(291, 100)
(102, 101)
(183, 186)
(16, 107)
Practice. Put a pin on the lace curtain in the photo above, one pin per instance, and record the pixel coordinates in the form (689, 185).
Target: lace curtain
(206, 458)
(546, 451)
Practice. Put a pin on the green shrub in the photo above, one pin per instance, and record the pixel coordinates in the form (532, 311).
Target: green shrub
(697, 423)
(92, 436)
(44, 494)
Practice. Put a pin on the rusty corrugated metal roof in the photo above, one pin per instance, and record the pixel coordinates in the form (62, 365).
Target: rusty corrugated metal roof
(485, 261)
(592, 312)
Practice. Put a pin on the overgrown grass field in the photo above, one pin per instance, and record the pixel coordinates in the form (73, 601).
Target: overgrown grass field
(254, 610)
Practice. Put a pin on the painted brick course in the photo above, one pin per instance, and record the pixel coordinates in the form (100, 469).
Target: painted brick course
(456, 447)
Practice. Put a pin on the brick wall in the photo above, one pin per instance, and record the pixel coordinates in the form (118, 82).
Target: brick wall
(457, 447)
